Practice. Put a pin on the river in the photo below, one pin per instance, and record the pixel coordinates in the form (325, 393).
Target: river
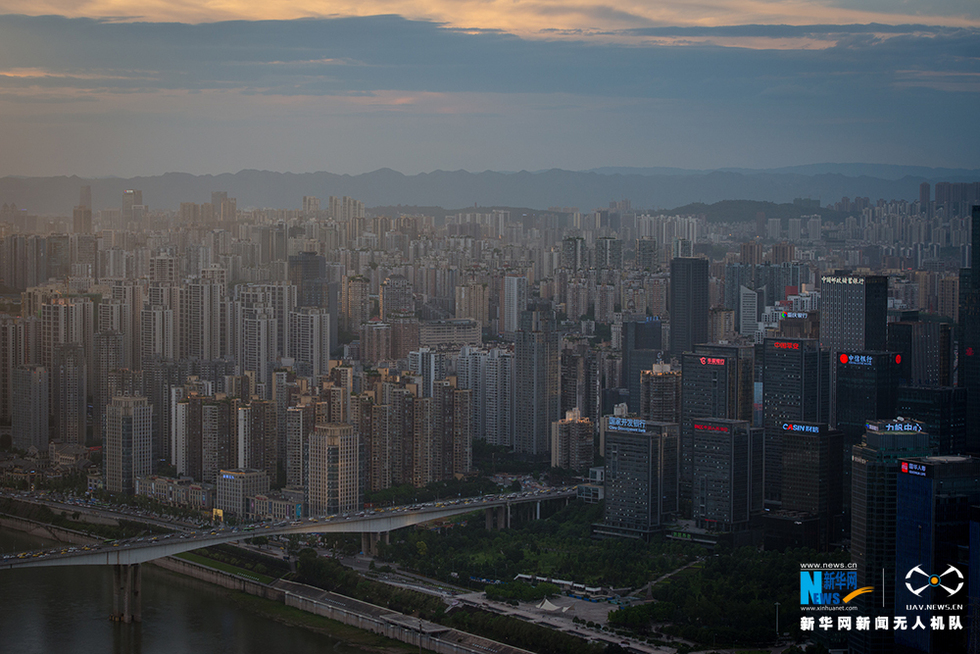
(55, 610)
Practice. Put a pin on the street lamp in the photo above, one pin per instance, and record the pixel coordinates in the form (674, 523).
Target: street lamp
(777, 620)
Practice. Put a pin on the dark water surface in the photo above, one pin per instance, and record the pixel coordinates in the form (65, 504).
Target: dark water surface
(66, 610)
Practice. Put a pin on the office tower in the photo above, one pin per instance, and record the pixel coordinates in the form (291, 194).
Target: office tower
(642, 347)
(647, 256)
(397, 296)
(335, 485)
(867, 387)
(926, 349)
(660, 394)
(490, 375)
(716, 382)
(796, 387)
(925, 197)
(235, 487)
(29, 422)
(942, 411)
(537, 364)
(309, 341)
(873, 510)
(85, 197)
(641, 477)
(969, 339)
(128, 448)
(728, 474)
(357, 303)
(70, 390)
(130, 199)
(933, 497)
(308, 273)
(608, 253)
(688, 304)
(513, 303)
(812, 486)
(473, 301)
(81, 220)
(853, 312)
(572, 442)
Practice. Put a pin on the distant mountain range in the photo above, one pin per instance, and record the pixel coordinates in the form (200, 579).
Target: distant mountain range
(646, 188)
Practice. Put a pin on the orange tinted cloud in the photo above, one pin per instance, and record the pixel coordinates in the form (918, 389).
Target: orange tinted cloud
(528, 18)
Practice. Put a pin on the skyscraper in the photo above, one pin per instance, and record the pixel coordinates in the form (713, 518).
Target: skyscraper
(688, 303)
(30, 415)
(716, 382)
(642, 347)
(873, 511)
(796, 387)
(335, 484)
(537, 363)
(933, 497)
(128, 442)
(728, 474)
(513, 303)
(641, 477)
(969, 340)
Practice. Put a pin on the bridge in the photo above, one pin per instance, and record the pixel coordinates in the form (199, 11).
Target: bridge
(373, 525)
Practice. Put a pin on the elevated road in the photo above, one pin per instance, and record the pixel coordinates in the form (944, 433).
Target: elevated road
(380, 521)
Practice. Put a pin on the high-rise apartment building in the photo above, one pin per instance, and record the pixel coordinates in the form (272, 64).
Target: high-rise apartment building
(572, 442)
(29, 421)
(513, 303)
(660, 394)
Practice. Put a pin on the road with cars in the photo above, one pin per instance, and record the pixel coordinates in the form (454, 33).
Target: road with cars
(186, 538)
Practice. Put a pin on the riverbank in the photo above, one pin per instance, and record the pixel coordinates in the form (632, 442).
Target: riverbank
(358, 624)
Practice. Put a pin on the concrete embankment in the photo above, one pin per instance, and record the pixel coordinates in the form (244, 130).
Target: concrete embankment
(354, 613)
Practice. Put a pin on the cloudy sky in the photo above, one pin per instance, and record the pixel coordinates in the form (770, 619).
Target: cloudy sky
(119, 87)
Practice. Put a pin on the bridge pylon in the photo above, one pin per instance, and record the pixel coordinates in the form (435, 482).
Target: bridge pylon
(126, 590)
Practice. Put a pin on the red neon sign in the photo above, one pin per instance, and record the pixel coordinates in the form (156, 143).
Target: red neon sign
(786, 346)
(843, 358)
(710, 428)
(708, 361)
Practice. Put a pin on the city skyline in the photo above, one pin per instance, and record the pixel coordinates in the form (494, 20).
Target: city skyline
(117, 89)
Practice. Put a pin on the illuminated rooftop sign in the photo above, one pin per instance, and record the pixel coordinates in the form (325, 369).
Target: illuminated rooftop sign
(782, 345)
(634, 425)
(709, 361)
(792, 426)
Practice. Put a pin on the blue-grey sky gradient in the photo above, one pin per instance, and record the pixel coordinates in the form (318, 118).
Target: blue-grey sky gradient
(96, 97)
